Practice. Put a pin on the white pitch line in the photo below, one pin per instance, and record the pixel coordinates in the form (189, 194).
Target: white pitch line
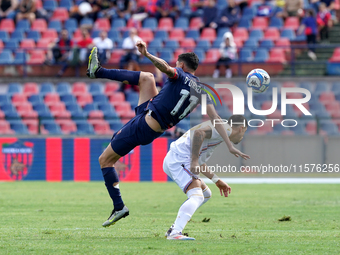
(278, 180)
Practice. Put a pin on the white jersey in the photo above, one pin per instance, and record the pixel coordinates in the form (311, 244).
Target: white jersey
(182, 146)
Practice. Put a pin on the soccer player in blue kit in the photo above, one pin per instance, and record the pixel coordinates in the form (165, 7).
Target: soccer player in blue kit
(155, 113)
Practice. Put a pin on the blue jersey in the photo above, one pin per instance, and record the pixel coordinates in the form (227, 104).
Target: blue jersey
(178, 97)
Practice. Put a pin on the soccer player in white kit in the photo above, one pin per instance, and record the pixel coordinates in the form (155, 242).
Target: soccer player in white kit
(187, 157)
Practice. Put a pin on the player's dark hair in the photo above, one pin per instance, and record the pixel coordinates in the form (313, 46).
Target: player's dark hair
(238, 120)
(190, 59)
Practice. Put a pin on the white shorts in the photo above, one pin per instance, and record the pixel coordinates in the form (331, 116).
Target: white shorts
(177, 168)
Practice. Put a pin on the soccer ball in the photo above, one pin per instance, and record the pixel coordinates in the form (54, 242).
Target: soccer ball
(258, 80)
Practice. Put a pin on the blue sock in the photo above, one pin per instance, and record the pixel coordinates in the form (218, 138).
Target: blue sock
(110, 176)
(129, 77)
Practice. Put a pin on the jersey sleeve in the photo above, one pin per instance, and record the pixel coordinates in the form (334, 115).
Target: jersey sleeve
(178, 73)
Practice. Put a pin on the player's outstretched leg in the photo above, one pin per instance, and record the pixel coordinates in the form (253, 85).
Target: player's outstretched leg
(185, 212)
(106, 161)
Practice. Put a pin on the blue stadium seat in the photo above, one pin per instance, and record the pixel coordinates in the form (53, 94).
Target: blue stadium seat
(321, 87)
(261, 97)
(245, 22)
(12, 115)
(161, 34)
(85, 128)
(299, 129)
(261, 55)
(329, 127)
(12, 44)
(184, 124)
(306, 85)
(73, 107)
(86, 22)
(336, 87)
(68, 99)
(99, 98)
(50, 5)
(217, 43)
(110, 115)
(45, 114)
(200, 54)
(23, 25)
(114, 35)
(166, 54)
(156, 44)
(18, 35)
(256, 34)
(55, 24)
(36, 99)
(288, 33)
(32, 34)
(37, 104)
(182, 22)
(251, 44)
(5, 100)
(276, 22)
(4, 36)
(249, 12)
(125, 33)
(95, 33)
(192, 33)
(105, 106)
(203, 45)
(150, 23)
(145, 60)
(19, 128)
(53, 128)
(63, 88)
(222, 31)
(96, 88)
(78, 115)
(300, 37)
(246, 55)
(118, 23)
(115, 124)
(13, 88)
(66, 4)
(46, 87)
(20, 58)
(6, 57)
(71, 25)
(90, 107)
(267, 44)
(171, 44)
(132, 98)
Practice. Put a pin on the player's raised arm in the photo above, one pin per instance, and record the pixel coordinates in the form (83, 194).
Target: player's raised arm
(214, 117)
(161, 64)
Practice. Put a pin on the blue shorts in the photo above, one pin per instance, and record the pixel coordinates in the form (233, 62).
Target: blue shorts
(135, 132)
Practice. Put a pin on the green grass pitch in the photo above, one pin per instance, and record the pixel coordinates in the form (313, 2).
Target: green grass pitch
(66, 218)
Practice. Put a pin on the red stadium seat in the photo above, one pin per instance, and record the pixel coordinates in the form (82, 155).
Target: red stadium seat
(289, 84)
(19, 99)
(311, 127)
(177, 34)
(284, 43)
(102, 24)
(28, 114)
(146, 34)
(2, 115)
(336, 55)
(27, 44)
(39, 25)
(111, 87)
(165, 24)
(272, 33)
(67, 126)
(50, 34)
(117, 98)
(51, 98)
(260, 23)
(277, 55)
(102, 128)
(238, 42)
(116, 55)
(241, 34)
(292, 23)
(275, 115)
(212, 56)
(266, 105)
(84, 98)
(31, 88)
(43, 44)
(333, 106)
(208, 34)
(287, 132)
(24, 106)
(294, 95)
(79, 88)
(61, 14)
(188, 43)
(32, 125)
(122, 107)
(37, 57)
(195, 23)
(62, 115)
(7, 25)
(1, 45)
(77, 36)
(5, 128)
(178, 52)
(95, 116)
(266, 128)
(326, 97)
(142, 3)
(133, 23)
(38, 4)
(57, 106)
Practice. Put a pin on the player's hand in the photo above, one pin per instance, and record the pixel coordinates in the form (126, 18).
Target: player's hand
(141, 47)
(194, 167)
(224, 188)
(238, 153)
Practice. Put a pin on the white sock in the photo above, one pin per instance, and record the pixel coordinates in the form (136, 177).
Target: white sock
(206, 194)
(188, 208)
